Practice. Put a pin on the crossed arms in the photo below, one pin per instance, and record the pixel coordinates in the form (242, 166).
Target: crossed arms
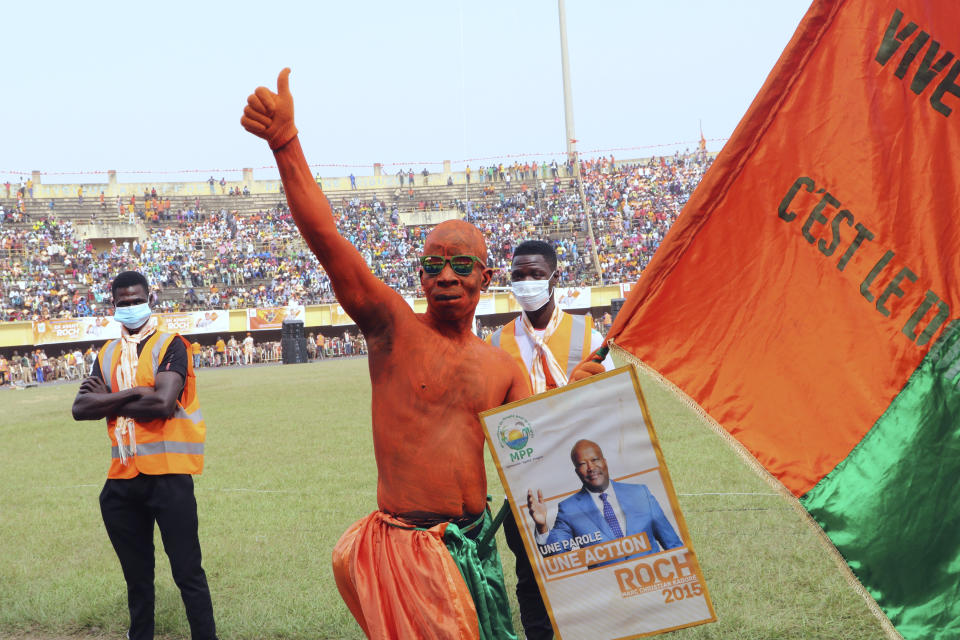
(95, 401)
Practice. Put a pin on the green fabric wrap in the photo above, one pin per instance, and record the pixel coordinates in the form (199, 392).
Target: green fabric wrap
(892, 506)
(481, 571)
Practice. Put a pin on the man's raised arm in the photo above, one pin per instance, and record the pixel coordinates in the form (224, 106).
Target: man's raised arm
(366, 299)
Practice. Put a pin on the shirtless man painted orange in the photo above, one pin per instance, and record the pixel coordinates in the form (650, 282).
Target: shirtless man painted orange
(414, 568)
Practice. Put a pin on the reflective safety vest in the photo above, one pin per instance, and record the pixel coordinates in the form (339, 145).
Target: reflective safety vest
(171, 445)
(570, 343)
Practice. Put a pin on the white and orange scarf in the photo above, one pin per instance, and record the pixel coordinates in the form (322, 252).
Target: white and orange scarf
(544, 362)
(125, 430)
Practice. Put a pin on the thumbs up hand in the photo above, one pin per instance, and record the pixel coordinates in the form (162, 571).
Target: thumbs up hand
(269, 115)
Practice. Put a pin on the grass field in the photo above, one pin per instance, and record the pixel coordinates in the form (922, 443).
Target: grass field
(289, 466)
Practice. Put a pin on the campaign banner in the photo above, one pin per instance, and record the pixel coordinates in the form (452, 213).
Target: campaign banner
(273, 317)
(573, 297)
(598, 514)
(74, 330)
(194, 322)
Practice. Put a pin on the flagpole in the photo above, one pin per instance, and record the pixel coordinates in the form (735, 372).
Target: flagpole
(572, 154)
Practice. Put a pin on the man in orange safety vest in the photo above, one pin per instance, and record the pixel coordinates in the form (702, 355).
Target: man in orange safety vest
(143, 384)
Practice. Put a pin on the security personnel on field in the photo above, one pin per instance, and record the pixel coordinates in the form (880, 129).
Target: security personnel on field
(548, 344)
(144, 385)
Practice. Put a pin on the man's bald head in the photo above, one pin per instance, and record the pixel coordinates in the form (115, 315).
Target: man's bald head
(452, 297)
(581, 445)
(457, 233)
(590, 465)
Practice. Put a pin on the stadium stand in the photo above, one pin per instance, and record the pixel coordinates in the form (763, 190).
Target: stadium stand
(234, 250)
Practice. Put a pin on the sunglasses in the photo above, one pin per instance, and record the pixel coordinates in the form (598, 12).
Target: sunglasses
(462, 265)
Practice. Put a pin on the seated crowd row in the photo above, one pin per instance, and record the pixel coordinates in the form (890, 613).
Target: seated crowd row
(195, 259)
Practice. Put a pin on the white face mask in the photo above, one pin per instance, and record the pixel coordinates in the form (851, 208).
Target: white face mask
(531, 294)
(133, 316)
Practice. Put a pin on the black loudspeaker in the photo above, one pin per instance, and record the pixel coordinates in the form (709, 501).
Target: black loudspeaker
(615, 305)
(292, 328)
(293, 344)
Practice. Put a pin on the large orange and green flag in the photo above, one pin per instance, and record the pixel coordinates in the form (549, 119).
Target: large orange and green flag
(806, 296)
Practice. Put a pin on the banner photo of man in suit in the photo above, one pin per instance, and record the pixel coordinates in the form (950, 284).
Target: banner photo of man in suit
(601, 511)
(583, 471)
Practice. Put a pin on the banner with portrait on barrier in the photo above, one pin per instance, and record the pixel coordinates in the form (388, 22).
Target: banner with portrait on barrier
(587, 483)
(573, 297)
(189, 322)
(273, 317)
(56, 330)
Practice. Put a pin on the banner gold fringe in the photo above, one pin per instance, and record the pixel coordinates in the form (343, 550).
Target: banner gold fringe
(622, 356)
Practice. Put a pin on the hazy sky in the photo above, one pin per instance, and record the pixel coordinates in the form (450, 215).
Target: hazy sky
(160, 87)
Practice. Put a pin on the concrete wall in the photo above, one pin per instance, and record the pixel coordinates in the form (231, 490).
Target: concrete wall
(412, 218)
(381, 178)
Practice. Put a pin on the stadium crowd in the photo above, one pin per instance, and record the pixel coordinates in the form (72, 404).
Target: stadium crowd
(196, 259)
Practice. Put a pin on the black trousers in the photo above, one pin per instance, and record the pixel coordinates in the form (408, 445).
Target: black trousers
(533, 613)
(129, 508)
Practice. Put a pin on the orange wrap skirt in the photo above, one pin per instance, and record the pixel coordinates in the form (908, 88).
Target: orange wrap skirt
(401, 581)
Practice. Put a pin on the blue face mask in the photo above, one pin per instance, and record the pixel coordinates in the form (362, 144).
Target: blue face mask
(133, 316)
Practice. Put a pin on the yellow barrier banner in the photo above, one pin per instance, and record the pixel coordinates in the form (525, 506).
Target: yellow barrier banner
(339, 317)
(486, 305)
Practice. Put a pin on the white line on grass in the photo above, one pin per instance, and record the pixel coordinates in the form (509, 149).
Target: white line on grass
(253, 490)
(72, 486)
(734, 493)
